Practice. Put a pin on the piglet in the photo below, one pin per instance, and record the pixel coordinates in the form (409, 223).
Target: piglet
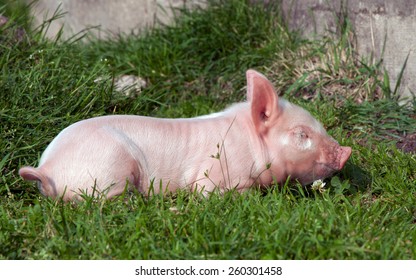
(254, 143)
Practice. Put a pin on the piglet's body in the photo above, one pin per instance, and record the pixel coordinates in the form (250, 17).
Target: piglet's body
(251, 143)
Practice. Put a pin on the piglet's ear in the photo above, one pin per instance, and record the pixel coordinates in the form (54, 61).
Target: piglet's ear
(263, 99)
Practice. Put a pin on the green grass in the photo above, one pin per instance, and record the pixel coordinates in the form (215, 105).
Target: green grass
(195, 67)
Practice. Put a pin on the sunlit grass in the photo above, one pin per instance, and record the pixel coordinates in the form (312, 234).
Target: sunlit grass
(197, 66)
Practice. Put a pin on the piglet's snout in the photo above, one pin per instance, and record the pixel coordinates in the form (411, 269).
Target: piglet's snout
(334, 157)
(343, 155)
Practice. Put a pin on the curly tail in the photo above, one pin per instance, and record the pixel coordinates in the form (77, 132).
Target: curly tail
(45, 185)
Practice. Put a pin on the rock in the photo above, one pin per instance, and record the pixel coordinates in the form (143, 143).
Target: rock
(129, 85)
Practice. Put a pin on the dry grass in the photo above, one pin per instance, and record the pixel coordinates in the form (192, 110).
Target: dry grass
(330, 68)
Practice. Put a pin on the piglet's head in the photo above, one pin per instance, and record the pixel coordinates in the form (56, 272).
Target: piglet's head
(296, 144)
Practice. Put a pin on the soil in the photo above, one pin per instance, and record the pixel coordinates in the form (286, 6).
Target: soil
(407, 143)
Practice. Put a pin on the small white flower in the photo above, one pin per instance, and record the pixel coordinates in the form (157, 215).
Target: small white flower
(319, 185)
